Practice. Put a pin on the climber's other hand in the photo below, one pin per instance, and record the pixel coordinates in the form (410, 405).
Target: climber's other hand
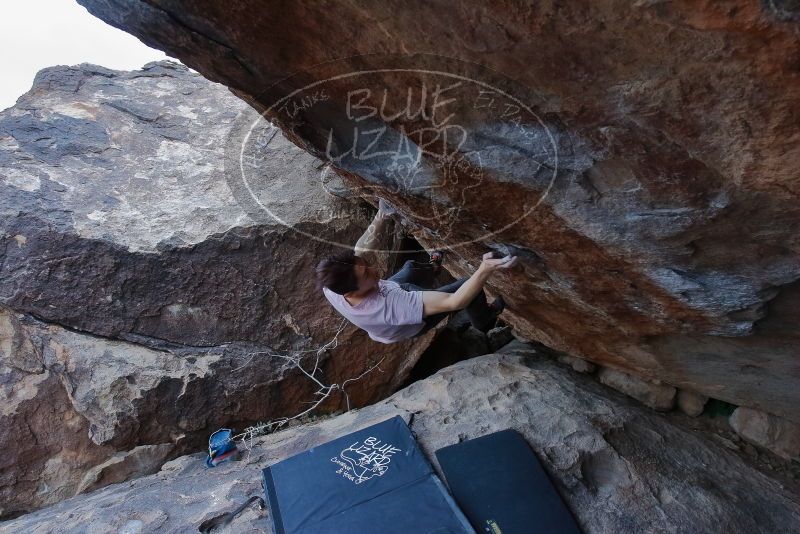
(386, 209)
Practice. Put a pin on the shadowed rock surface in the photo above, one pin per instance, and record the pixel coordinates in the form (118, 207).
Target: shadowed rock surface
(138, 299)
(620, 467)
(659, 151)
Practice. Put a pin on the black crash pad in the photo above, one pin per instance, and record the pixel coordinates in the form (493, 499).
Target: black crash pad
(500, 485)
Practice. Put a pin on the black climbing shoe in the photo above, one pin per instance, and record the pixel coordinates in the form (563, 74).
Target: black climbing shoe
(437, 257)
(498, 305)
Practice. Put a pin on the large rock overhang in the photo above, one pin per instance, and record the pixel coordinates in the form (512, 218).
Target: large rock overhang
(664, 241)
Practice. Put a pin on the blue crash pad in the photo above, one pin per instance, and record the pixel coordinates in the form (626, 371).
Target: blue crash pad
(374, 480)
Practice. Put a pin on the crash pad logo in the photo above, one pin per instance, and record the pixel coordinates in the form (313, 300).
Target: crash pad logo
(431, 134)
(364, 460)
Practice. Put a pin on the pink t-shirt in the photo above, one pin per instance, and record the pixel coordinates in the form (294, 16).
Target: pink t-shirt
(388, 315)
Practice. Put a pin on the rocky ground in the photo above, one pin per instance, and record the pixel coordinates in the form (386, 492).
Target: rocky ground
(620, 467)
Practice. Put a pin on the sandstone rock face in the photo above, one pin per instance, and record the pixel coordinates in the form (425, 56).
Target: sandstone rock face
(619, 466)
(691, 403)
(73, 404)
(46, 440)
(141, 304)
(642, 158)
(142, 460)
(499, 337)
(657, 396)
(114, 195)
(578, 364)
(778, 435)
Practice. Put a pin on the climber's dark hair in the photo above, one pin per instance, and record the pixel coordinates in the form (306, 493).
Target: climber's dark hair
(337, 272)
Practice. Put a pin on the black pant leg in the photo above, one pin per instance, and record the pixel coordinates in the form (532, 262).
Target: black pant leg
(452, 287)
(412, 272)
(480, 314)
(402, 276)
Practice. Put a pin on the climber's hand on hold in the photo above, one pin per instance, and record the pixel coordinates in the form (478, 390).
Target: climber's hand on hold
(434, 302)
(385, 209)
(490, 264)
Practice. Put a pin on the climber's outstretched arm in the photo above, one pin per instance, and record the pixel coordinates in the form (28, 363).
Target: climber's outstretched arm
(434, 302)
(370, 240)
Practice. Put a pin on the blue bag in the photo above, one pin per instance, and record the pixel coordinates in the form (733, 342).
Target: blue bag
(221, 447)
